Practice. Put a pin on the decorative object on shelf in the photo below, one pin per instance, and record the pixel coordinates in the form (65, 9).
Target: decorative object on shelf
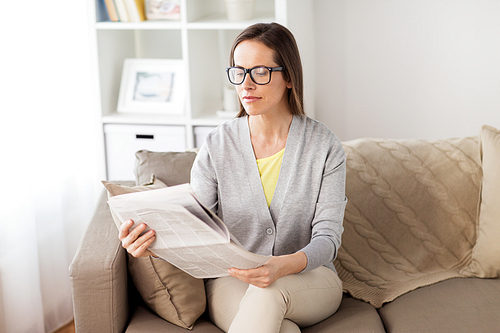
(152, 86)
(163, 10)
(230, 103)
(230, 98)
(239, 10)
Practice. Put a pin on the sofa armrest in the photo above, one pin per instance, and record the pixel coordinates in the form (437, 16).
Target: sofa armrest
(98, 275)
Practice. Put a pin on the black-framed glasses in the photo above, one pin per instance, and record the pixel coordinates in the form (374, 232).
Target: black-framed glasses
(260, 74)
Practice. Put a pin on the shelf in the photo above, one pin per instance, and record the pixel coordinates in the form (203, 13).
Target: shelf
(145, 25)
(159, 119)
(202, 38)
(219, 21)
(213, 21)
(209, 121)
(144, 119)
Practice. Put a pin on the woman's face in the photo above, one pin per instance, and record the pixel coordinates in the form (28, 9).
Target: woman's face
(257, 99)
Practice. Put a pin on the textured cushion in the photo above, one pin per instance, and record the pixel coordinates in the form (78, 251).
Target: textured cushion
(457, 305)
(173, 294)
(411, 216)
(486, 252)
(172, 168)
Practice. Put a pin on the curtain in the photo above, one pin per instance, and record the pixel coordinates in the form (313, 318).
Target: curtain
(50, 163)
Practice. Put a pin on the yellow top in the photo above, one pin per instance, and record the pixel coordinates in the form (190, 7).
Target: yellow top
(269, 170)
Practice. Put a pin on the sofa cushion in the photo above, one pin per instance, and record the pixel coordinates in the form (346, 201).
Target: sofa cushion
(124, 187)
(173, 294)
(172, 168)
(352, 316)
(411, 216)
(115, 188)
(456, 305)
(144, 321)
(170, 292)
(486, 252)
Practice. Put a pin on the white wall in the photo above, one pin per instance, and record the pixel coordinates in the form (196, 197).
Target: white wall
(407, 68)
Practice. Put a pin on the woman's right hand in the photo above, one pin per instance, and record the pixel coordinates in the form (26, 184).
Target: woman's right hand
(133, 242)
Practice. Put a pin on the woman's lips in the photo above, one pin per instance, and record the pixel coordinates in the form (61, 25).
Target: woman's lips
(250, 99)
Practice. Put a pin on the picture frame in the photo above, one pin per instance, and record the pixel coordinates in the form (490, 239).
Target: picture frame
(163, 10)
(153, 86)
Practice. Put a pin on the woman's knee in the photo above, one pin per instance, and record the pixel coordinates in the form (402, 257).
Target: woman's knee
(288, 326)
(275, 294)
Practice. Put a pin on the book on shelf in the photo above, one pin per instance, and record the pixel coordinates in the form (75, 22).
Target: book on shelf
(110, 8)
(188, 235)
(121, 9)
(135, 9)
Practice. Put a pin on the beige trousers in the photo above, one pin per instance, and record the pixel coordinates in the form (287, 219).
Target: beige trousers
(294, 301)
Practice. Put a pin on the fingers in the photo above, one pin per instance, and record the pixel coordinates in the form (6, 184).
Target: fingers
(130, 236)
(132, 240)
(124, 229)
(260, 277)
(139, 248)
(248, 273)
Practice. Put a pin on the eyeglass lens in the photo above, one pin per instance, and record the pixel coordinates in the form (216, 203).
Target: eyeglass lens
(259, 75)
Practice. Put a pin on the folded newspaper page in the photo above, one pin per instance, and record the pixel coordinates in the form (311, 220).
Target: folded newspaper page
(188, 235)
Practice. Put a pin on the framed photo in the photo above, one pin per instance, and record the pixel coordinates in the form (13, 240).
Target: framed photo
(152, 86)
(163, 10)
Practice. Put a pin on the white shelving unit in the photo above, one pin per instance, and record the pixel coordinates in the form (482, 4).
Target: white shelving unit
(202, 39)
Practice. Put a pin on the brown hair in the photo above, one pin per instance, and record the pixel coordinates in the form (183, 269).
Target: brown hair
(286, 54)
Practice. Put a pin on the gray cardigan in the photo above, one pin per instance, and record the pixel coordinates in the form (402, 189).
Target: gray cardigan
(307, 208)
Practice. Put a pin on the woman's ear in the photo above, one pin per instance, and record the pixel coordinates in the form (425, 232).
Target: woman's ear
(289, 84)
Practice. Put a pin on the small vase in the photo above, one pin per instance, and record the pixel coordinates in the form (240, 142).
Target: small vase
(230, 99)
(239, 10)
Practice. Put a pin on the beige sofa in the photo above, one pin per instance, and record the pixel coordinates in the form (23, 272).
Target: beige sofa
(420, 249)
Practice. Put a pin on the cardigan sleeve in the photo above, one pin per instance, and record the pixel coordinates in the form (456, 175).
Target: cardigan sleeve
(204, 180)
(327, 224)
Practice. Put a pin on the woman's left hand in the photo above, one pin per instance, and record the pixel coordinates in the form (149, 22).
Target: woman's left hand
(272, 270)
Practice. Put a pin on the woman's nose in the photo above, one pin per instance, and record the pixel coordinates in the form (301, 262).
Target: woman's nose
(248, 83)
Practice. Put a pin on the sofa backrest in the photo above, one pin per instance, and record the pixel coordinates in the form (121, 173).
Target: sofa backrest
(410, 219)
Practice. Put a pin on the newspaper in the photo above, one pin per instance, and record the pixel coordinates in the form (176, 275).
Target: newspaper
(188, 235)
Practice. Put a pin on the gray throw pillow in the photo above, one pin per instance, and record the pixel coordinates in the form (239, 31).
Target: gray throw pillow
(172, 168)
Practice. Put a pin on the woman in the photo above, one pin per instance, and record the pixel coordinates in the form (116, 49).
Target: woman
(277, 179)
